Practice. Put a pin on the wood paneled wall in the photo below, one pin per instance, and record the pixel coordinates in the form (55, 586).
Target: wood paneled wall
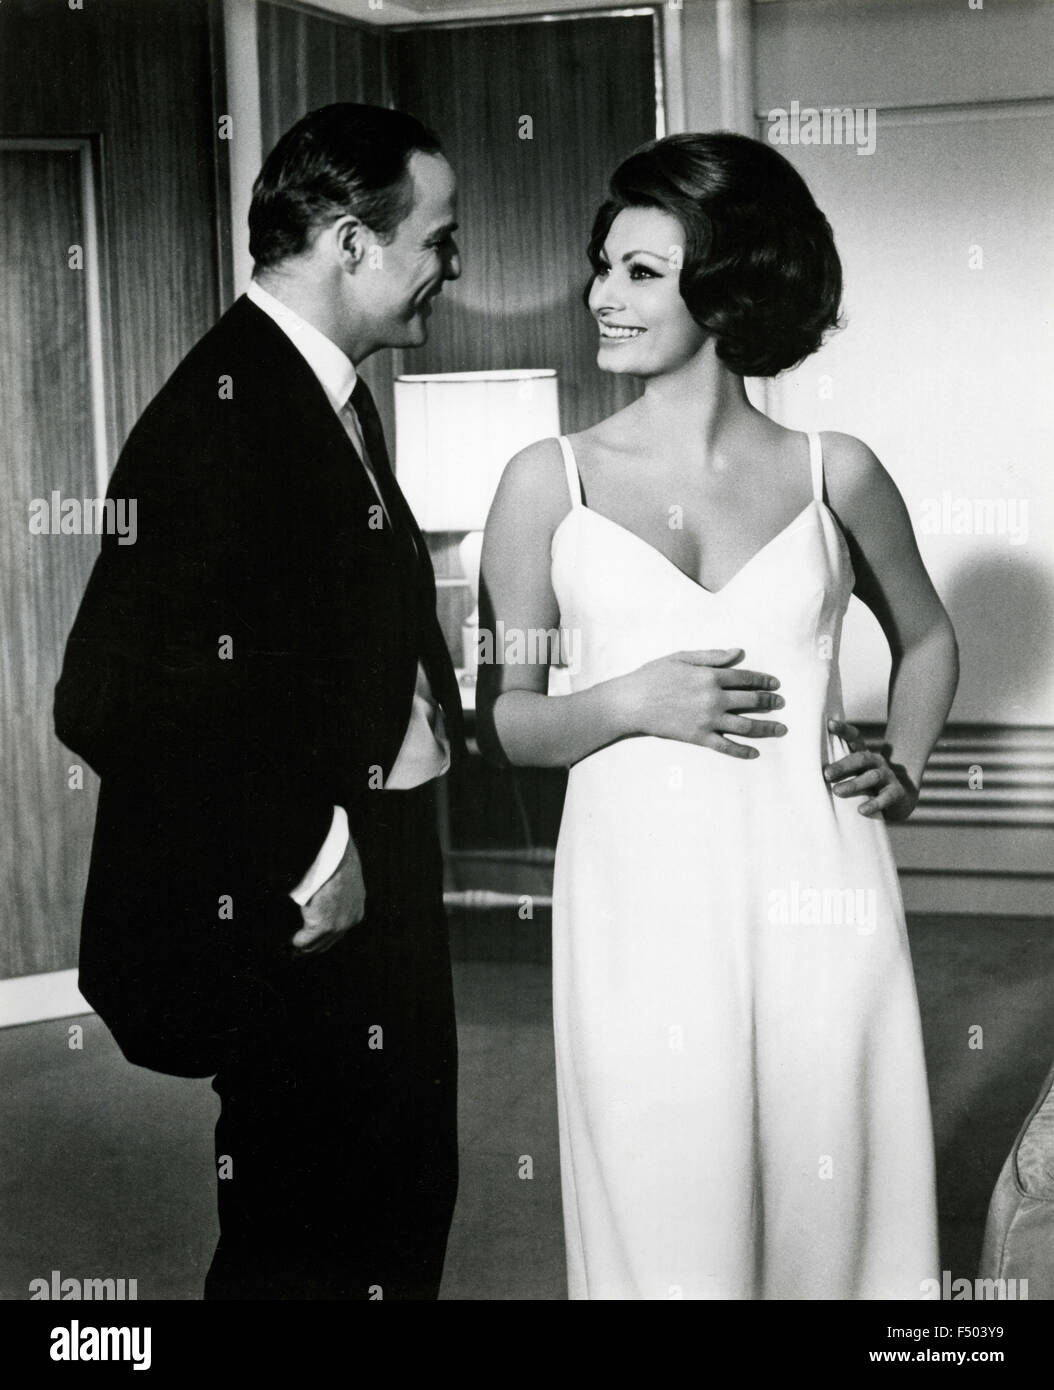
(136, 79)
(139, 76)
(534, 117)
(583, 91)
(45, 443)
(310, 60)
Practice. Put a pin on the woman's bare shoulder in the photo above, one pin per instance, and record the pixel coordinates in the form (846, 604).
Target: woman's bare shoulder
(848, 454)
(534, 482)
(852, 469)
(862, 494)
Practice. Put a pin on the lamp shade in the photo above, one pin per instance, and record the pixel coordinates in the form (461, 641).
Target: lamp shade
(455, 432)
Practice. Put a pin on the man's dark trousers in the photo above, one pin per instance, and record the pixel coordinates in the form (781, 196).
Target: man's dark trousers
(339, 1105)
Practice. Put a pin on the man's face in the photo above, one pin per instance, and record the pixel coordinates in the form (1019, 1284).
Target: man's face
(395, 282)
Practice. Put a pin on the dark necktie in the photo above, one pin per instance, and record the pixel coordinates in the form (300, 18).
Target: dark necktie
(377, 463)
(404, 527)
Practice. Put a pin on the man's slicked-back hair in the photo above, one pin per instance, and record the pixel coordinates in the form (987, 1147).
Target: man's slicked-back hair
(340, 159)
(761, 273)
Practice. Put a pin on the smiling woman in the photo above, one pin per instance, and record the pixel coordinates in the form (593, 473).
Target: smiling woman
(742, 1090)
(636, 292)
(735, 230)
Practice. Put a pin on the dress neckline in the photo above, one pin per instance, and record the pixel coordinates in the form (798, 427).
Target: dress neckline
(669, 564)
(574, 485)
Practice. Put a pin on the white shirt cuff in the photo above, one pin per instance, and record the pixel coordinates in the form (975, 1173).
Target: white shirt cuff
(327, 859)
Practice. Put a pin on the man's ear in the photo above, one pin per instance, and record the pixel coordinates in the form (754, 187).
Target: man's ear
(351, 241)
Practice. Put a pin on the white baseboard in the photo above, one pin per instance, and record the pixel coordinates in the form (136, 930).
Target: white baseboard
(972, 895)
(998, 870)
(36, 998)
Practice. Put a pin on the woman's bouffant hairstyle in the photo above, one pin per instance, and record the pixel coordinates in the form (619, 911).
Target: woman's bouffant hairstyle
(339, 159)
(760, 273)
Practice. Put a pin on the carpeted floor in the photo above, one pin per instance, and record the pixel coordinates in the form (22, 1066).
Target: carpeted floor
(107, 1169)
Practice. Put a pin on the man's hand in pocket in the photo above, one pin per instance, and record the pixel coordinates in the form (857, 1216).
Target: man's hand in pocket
(338, 905)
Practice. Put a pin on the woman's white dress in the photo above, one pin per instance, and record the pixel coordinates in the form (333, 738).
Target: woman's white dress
(742, 1090)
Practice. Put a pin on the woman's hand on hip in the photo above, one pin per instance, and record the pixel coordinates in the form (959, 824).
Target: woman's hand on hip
(866, 771)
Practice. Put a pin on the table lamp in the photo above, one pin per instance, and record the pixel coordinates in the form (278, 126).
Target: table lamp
(455, 432)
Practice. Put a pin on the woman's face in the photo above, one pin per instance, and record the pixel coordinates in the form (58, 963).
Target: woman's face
(645, 327)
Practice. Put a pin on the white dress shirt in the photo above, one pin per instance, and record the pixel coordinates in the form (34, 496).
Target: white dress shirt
(425, 750)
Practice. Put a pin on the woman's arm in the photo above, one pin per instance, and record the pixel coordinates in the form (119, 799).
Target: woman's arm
(516, 721)
(692, 696)
(892, 581)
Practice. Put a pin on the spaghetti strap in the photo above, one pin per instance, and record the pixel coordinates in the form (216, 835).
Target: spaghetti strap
(816, 465)
(574, 482)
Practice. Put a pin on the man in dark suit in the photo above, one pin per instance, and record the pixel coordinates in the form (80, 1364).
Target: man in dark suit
(263, 688)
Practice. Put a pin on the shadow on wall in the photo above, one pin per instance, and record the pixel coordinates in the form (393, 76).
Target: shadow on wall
(1002, 607)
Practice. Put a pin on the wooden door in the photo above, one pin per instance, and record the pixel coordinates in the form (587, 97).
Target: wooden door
(50, 380)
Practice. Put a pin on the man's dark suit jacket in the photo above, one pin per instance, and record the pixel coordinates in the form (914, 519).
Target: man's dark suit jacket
(242, 668)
